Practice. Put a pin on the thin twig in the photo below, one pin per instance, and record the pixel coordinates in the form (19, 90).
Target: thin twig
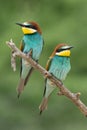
(74, 97)
(13, 61)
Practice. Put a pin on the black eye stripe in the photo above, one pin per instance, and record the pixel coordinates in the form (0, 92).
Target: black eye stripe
(59, 50)
(30, 26)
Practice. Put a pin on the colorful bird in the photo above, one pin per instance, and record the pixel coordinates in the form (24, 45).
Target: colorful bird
(32, 43)
(59, 66)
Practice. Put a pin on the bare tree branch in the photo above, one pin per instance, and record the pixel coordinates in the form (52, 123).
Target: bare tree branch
(74, 97)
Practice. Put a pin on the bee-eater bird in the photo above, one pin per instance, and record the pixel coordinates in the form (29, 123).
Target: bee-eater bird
(32, 43)
(59, 66)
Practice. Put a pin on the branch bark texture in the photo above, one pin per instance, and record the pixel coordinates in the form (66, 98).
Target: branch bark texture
(74, 97)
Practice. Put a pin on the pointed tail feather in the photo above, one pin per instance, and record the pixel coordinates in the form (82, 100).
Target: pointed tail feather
(43, 105)
(27, 77)
(20, 87)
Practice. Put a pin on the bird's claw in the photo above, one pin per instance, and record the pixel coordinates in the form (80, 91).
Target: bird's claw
(46, 75)
(30, 53)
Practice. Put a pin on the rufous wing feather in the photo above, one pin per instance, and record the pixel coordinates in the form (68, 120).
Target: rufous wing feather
(48, 63)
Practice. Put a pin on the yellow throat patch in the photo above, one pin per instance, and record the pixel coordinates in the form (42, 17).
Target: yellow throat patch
(63, 53)
(28, 30)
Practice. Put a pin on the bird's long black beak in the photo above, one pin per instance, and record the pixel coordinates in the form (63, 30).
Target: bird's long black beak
(70, 47)
(20, 24)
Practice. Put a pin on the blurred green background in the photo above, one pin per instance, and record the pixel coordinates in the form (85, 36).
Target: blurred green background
(60, 21)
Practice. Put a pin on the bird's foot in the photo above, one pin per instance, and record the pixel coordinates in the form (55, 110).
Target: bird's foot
(29, 54)
(46, 75)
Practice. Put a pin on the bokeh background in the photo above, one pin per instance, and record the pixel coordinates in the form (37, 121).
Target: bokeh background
(60, 21)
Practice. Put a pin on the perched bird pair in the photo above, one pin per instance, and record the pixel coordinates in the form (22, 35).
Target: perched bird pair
(58, 64)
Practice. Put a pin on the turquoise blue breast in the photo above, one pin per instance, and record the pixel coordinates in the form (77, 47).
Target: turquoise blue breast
(34, 42)
(60, 66)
